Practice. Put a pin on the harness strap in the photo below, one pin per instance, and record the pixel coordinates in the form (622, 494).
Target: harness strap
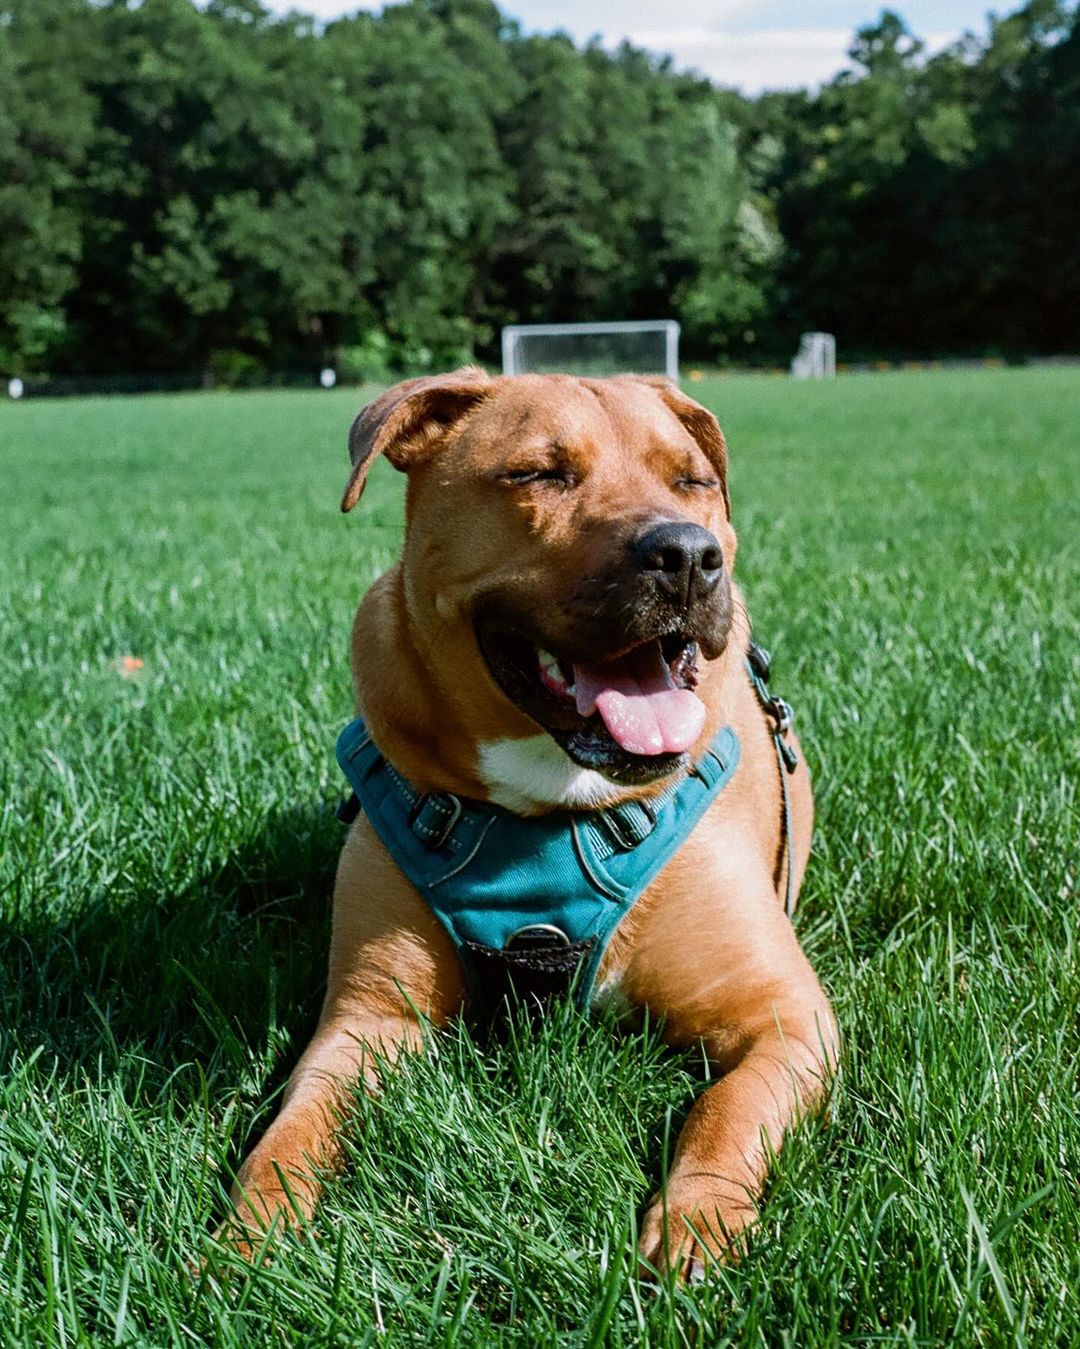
(780, 713)
(528, 902)
(532, 903)
(630, 823)
(433, 817)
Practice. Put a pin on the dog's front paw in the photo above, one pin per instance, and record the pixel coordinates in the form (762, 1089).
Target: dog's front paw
(233, 1241)
(693, 1226)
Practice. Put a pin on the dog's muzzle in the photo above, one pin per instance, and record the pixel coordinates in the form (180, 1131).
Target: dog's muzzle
(683, 560)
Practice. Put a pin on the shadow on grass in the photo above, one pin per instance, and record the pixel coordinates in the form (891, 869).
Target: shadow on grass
(230, 964)
(228, 973)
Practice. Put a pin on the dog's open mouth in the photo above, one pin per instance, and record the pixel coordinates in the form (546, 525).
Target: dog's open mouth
(632, 716)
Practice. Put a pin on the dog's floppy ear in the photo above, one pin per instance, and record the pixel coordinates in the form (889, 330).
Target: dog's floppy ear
(701, 424)
(409, 419)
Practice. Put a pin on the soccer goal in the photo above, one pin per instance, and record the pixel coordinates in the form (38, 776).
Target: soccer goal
(647, 348)
(816, 357)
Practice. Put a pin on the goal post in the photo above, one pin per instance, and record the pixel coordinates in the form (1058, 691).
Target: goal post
(650, 347)
(816, 357)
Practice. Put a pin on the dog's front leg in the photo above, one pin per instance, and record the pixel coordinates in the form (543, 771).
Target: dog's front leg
(735, 979)
(391, 963)
(280, 1181)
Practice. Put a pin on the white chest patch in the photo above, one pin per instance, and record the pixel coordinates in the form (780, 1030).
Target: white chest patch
(523, 774)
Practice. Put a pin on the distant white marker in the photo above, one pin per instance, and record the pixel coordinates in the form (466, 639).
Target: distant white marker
(15, 388)
(328, 378)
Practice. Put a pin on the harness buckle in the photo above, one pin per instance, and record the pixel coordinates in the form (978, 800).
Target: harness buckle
(626, 825)
(760, 660)
(782, 713)
(537, 935)
(433, 818)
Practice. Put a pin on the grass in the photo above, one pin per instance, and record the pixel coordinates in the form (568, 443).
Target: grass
(167, 842)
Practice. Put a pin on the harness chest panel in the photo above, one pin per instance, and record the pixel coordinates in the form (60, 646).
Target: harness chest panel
(533, 898)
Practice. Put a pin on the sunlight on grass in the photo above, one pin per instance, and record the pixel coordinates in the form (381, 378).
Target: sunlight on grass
(175, 604)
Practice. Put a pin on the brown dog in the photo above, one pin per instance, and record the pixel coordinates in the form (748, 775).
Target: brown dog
(562, 634)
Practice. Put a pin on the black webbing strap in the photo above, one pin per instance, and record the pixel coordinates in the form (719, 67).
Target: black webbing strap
(780, 715)
(348, 808)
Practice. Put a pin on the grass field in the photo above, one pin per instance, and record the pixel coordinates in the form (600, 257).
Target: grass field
(167, 841)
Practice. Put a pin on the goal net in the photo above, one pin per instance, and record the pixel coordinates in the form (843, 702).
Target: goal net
(816, 357)
(649, 348)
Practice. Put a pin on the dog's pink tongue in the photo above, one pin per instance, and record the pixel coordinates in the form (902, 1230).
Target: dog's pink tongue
(639, 702)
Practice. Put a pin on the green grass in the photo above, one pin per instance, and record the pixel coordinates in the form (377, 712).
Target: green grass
(167, 842)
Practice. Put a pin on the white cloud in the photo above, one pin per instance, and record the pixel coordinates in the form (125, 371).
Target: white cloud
(610, 17)
(772, 59)
(714, 38)
(615, 18)
(777, 58)
(322, 9)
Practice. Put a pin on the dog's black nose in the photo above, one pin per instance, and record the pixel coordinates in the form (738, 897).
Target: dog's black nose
(684, 559)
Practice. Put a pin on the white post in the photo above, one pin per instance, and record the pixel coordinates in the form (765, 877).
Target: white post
(509, 342)
(672, 351)
(816, 357)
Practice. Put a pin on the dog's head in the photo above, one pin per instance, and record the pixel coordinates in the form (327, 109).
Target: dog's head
(567, 559)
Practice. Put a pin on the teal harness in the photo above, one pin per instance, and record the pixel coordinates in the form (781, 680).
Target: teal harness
(531, 903)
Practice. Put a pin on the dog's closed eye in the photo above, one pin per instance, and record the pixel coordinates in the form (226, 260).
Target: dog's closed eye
(691, 484)
(553, 473)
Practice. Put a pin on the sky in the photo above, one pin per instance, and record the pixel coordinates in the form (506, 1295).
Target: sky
(751, 44)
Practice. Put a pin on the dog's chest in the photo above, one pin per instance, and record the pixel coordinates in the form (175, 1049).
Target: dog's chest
(521, 775)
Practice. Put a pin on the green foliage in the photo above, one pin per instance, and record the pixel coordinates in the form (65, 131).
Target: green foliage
(178, 181)
(221, 180)
(930, 206)
(167, 846)
(368, 361)
(234, 369)
(46, 127)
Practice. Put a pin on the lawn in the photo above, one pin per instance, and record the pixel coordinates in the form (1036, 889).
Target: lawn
(176, 592)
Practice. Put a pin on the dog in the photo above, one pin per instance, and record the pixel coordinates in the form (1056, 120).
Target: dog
(560, 667)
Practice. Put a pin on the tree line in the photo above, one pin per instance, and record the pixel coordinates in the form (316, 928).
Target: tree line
(219, 189)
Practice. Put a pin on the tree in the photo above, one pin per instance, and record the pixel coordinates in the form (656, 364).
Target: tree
(927, 206)
(47, 119)
(186, 187)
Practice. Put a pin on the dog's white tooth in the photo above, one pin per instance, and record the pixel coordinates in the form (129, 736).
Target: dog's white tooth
(571, 690)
